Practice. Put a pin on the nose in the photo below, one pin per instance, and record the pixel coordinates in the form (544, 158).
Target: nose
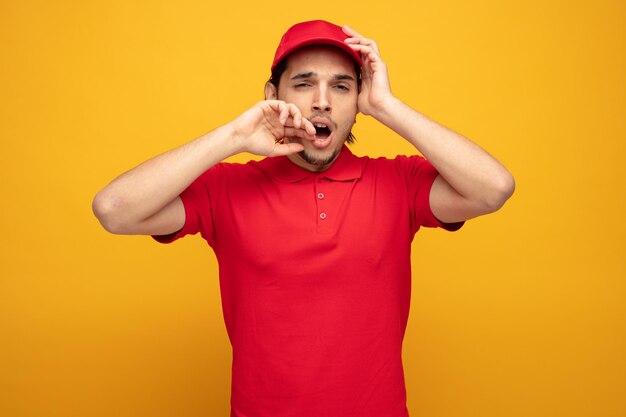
(321, 102)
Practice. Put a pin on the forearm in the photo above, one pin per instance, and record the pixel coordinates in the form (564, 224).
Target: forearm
(146, 189)
(466, 167)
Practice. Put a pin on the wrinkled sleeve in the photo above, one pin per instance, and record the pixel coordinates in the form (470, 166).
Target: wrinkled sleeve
(197, 201)
(419, 175)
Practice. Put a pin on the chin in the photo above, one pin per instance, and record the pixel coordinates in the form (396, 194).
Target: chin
(319, 159)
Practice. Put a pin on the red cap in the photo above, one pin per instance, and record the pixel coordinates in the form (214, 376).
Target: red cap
(315, 32)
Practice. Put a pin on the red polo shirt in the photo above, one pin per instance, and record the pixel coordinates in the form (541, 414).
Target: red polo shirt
(315, 279)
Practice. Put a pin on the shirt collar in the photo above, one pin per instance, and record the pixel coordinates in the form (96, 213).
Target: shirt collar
(346, 167)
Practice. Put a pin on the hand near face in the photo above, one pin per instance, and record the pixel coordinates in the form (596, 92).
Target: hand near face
(260, 129)
(375, 88)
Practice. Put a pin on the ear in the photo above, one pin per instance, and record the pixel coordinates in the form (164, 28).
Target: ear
(270, 91)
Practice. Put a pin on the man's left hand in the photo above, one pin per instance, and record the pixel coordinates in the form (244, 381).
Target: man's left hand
(375, 88)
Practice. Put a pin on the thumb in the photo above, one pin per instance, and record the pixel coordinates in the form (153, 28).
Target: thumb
(281, 149)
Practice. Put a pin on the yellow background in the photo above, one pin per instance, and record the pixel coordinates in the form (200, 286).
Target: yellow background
(521, 313)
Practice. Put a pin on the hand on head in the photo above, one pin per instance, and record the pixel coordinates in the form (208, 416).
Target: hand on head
(375, 87)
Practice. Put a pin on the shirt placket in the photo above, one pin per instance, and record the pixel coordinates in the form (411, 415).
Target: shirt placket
(324, 211)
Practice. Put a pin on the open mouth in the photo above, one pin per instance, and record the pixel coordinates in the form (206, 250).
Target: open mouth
(321, 131)
(323, 127)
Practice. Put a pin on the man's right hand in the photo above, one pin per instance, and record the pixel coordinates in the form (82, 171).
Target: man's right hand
(145, 200)
(261, 129)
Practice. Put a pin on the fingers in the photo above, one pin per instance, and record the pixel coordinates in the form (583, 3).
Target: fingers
(348, 30)
(305, 126)
(289, 111)
(281, 149)
(293, 124)
(292, 132)
(286, 112)
(356, 38)
(367, 52)
(290, 115)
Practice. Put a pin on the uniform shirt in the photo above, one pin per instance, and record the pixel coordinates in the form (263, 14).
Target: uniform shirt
(315, 279)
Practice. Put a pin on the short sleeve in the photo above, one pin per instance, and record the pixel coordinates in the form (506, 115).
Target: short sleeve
(419, 175)
(196, 200)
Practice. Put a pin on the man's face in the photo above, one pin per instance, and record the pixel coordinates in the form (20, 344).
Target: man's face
(322, 83)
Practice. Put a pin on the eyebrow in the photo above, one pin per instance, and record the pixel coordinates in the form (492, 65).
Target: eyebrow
(310, 74)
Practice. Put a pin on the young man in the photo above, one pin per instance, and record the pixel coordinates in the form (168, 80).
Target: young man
(314, 243)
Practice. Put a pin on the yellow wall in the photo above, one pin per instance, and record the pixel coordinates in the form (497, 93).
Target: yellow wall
(522, 313)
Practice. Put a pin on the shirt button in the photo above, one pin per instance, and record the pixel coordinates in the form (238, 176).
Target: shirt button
(322, 216)
(320, 195)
